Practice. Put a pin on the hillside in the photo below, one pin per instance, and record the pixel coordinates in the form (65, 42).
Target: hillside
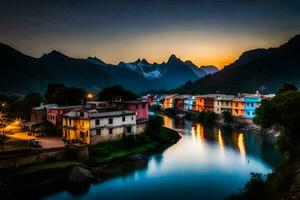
(261, 69)
(24, 74)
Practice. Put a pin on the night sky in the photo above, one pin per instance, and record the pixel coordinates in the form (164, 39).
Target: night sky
(205, 32)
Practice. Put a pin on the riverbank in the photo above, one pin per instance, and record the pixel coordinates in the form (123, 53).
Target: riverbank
(106, 160)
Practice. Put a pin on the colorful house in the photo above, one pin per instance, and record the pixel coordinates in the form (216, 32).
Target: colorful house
(54, 114)
(140, 108)
(199, 105)
(179, 102)
(251, 102)
(226, 103)
(189, 102)
(209, 102)
(169, 102)
(38, 114)
(238, 106)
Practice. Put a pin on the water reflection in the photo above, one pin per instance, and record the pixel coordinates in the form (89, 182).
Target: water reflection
(207, 163)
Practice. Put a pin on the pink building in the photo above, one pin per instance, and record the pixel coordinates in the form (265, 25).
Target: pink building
(179, 103)
(140, 108)
(54, 114)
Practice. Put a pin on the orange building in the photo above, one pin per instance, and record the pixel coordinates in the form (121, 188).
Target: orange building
(199, 103)
(237, 107)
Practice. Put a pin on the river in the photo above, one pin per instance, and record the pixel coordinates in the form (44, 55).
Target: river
(207, 163)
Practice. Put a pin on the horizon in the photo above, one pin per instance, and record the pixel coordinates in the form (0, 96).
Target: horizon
(206, 33)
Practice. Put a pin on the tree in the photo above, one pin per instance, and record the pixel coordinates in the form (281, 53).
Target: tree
(286, 88)
(107, 93)
(64, 96)
(22, 108)
(227, 117)
(282, 111)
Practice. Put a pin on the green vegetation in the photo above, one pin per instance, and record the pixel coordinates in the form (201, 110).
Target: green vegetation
(228, 119)
(207, 117)
(22, 108)
(107, 93)
(286, 88)
(64, 96)
(153, 138)
(281, 112)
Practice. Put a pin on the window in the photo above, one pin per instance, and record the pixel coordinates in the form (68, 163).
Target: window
(123, 119)
(144, 105)
(98, 132)
(97, 121)
(252, 104)
(110, 121)
(81, 114)
(248, 113)
(128, 129)
(137, 106)
(132, 118)
(110, 131)
(236, 104)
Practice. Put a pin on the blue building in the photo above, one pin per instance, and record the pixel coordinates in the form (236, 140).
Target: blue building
(251, 103)
(189, 101)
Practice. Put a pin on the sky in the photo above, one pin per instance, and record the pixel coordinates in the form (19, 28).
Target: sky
(212, 32)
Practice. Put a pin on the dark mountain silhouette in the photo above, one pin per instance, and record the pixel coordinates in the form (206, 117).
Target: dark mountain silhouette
(261, 69)
(22, 73)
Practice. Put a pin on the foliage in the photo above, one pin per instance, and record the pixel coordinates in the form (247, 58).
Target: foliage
(227, 117)
(283, 111)
(22, 108)
(207, 117)
(48, 128)
(256, 187)
(287, 87)
(107, 93)
(64, 96)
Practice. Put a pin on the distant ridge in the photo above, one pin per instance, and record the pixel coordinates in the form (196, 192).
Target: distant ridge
(260, 69)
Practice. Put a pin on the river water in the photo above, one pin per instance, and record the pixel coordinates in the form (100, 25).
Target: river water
(207, 163)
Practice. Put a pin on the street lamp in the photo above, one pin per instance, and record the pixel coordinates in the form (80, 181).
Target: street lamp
(89, 96)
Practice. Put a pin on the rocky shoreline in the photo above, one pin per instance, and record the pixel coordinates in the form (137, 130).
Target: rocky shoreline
(75, 178)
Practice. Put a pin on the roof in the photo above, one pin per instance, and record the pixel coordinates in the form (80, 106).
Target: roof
(41, 107)
(94, 113)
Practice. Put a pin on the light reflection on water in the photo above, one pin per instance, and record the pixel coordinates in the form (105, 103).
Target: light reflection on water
(207, 163)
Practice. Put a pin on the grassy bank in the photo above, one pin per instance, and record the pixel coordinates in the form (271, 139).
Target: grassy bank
(138, 144)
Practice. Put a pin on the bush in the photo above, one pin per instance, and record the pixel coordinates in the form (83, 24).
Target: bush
(99, 151)
(227, 117)
(207, 117)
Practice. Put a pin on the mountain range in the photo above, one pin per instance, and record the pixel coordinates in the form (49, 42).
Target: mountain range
(263, 70)
(23, 74)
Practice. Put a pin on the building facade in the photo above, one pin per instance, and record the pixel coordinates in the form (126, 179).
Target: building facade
(199, 104)
(238, 107)
(140, 108)
(169, 102)
(250, 105)
(91, 126)
(189, 102)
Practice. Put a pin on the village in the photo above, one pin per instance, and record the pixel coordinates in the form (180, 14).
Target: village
(240, 106)
(103, 121)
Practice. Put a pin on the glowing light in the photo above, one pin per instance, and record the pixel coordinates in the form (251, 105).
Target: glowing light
(90, 95)
(221, 142)
(241, 145)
